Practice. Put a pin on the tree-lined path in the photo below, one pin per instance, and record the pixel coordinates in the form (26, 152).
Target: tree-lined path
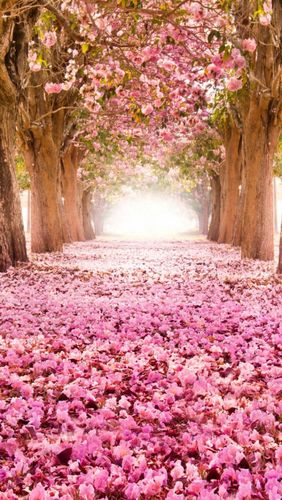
(141, 370)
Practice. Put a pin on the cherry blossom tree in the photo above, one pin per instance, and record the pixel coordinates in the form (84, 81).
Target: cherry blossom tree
(106, 62)
(14, 26)
(249, 62)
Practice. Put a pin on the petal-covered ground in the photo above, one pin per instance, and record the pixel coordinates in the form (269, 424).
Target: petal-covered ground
(141, 370)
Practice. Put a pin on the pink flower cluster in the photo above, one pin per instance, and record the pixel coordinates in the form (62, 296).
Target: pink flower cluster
(141, 370)
(34, 65)
(49, 39)
(53, 88)
(234, 84)
(249, 44)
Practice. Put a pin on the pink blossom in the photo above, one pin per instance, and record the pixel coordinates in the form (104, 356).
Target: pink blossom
(245, 486)
(26, 390)
(177, 471)
(249, 44)
(50, 39)
(167, 64)
(149, 53)
(166, 135)
(152, 486)
(187, 377)
(67, 85)
(132, 492)
(53, 88)
(196, 10)
(238, 59)
(195, 487)
(267, 6)
(101, 479)
(174, 496)
(121, 450)
(214, 70)
(191, 472)
(278, 455)
(150, 374)
(234, 84)
(34, 66)
(86, 492)
(265, 19)
(38, 493)
(231, 454)
(147, 109)
(273, 485)
(124, 403)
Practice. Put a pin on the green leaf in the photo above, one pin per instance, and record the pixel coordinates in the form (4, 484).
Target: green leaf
(214, 34)
(85, 48)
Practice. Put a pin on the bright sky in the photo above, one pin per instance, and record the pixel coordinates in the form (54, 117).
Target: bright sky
(150, 215)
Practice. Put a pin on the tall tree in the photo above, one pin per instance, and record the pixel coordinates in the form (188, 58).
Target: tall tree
(254, 69)
(13, 53)
(230, 176)
(41, 127)
(213, 231)
(71, 157)
(279, 269)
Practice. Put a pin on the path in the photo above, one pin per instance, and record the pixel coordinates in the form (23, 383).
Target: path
(141, 370)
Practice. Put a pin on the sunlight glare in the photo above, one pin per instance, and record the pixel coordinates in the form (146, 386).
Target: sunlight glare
(150, 215)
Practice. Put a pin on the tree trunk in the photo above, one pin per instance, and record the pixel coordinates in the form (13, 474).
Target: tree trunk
(41, 128)
(13, 45)
(230, 182)
(99, 208)
(213, 232)
(237, 235)
(276, 218)
(98, 218)
(71, 194)
(12, 239)
(279, 270)
(28, 211)
(203, 216)
(200, 201)
(260, 139)
(65, 225)
(260, 106)
(87, 215)
(43, 162)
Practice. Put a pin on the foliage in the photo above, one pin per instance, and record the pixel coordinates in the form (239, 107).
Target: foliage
(22, 174)
(278, 160)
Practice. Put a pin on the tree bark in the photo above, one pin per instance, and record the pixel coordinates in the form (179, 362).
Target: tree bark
(237, 236)
(279, 269)
(98, 218)
(213, 232)
(41, 131)
(260, 140)
(203, 217)
(42, 128)
(260, 107)
(87, 215)
(276, 218)
(200, 201)
(43, 162)
(28, 211)
(73, 212)
(99, 208)
(230, 182)
(13, 48)
(65, 225)
(12, 239)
